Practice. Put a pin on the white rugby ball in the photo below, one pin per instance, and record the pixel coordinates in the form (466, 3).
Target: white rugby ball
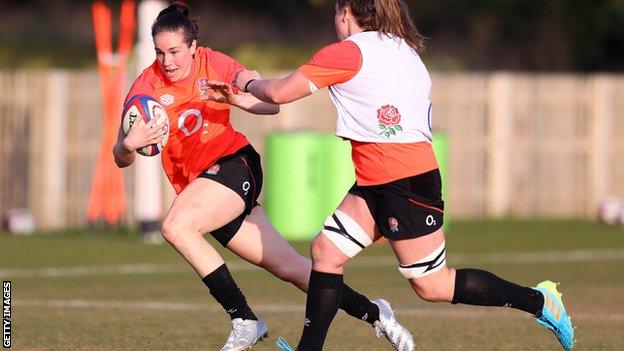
(609, 210)
(144, 106)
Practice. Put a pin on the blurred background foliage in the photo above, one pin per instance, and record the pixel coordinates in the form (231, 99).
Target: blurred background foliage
(520, 35)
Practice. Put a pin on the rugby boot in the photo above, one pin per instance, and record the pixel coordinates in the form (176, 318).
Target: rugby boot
(283, 345)
(245, 333)
(554, 316)
(387, 325)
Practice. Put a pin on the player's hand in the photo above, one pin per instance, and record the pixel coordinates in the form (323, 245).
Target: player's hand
(243, 77)
(219, 92)
(142, 134)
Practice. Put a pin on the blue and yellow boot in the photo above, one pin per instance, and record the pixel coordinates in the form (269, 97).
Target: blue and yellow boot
(554, 316)
(283, 345)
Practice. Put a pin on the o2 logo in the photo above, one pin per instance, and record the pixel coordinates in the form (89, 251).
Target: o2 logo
(246, 187)
(190, 115)
(430, 220)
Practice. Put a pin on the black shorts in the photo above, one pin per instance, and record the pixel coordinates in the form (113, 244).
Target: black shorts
(406, 208)
(241, 172)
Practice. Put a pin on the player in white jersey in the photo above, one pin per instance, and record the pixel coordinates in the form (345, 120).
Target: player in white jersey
(381, 90)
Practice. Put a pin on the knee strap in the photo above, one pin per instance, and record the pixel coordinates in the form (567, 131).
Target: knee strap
(431, 263)
(345, 233)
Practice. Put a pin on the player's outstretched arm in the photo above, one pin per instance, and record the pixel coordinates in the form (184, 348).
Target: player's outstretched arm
(278, 91)
(223, 93)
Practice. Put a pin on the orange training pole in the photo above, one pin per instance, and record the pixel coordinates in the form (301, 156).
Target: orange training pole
(107, 200)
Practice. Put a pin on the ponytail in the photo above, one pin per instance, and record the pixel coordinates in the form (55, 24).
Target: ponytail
(173, 18)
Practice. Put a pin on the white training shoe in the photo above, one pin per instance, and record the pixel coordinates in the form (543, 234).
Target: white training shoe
(245, 333)
(400, 338)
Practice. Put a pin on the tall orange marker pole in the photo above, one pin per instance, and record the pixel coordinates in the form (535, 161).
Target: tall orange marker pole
(107, 200)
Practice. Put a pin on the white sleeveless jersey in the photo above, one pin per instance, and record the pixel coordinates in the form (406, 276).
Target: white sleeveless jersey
(387, 101)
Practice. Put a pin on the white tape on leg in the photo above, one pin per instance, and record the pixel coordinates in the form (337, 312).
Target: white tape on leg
(345, 233)
(431, 263)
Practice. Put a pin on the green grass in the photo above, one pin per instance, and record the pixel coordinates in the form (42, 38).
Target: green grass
(188, 319)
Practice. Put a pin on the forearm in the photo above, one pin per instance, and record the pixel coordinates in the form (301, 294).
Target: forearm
(253, 105)
(277, 91)
(123, 156)
(266, 90)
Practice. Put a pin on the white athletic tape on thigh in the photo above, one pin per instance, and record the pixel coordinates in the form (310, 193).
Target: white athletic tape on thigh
(345, 233)
(426, 265)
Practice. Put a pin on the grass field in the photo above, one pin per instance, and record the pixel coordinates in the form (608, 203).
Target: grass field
(77, 291)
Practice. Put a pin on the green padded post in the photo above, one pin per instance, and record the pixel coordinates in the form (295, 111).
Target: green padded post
(441, 149)
(293, 180)
(338, 172)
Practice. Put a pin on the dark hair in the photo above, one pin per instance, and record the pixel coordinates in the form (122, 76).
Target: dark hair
(173, 18)
(386, 17)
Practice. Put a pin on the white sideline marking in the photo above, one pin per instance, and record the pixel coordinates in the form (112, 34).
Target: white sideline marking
(358, 262)
(123, 269)
(456, 312)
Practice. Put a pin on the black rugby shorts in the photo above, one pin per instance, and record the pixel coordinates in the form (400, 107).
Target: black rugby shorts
(405, 208)
(241, 172)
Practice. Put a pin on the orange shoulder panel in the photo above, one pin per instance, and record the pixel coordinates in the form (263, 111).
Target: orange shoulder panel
(333, 64)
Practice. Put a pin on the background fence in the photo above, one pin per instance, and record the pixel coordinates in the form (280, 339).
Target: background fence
(520, 145)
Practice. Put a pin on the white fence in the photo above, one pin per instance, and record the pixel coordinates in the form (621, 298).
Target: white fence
(521, 145)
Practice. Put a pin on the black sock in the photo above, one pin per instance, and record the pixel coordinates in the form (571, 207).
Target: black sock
(358, 306)
(224, 289)
(477, 287)
(324, 296)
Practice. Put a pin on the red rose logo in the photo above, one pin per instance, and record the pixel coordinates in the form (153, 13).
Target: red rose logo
(213, 170)
(389, 119)
(388, 115)
(393, 224)
(202, 84)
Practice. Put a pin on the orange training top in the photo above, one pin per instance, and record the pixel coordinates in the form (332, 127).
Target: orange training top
(200, 131)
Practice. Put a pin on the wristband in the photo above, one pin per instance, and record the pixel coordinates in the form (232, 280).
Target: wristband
(246, 88)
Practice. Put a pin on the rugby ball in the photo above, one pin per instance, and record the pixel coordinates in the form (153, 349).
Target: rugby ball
(609, 210)
(144, 106)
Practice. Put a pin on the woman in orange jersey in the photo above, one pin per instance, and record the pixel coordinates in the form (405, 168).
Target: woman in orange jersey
(381, 90)
(216, 174)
